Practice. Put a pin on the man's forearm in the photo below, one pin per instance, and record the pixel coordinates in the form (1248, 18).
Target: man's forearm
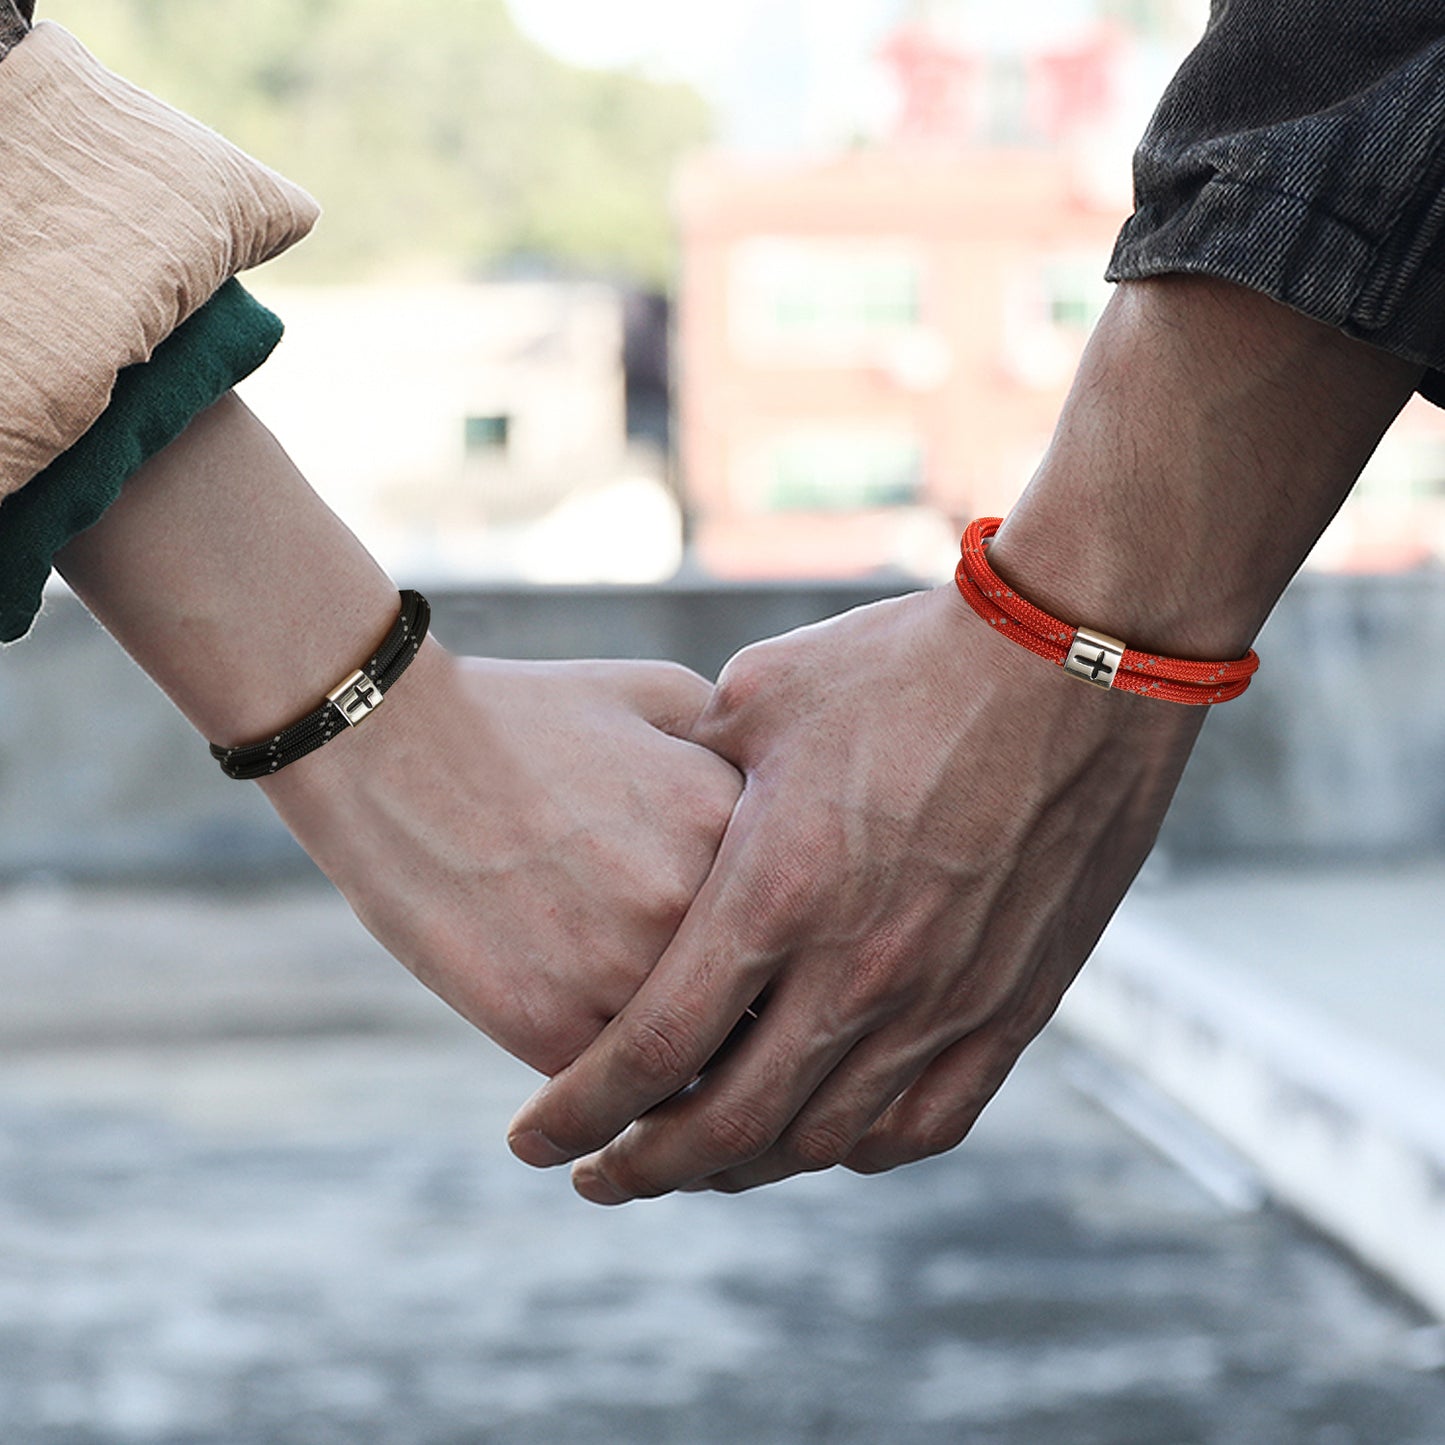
(1209, 437)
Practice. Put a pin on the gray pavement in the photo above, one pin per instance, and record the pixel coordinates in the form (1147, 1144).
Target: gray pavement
(255, 1191)
(1362, 943)
(1298, 1014)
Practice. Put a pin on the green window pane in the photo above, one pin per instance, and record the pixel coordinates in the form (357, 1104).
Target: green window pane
(844, 472)
(486, 434)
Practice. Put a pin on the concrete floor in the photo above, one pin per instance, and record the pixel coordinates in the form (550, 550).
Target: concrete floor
(232, 1211)
(1360, 943)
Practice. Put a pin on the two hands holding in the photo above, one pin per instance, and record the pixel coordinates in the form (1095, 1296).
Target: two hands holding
(811, 916)
(893, 835)
(606, 865)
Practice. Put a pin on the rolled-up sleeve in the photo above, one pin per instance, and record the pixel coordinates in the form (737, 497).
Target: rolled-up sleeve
(1300, 151)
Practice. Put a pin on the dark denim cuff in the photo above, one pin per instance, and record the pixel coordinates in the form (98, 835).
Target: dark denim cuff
(15, 20)
(1300, 152)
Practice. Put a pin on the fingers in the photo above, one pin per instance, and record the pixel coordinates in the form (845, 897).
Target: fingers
(902, 1095)
(897, 1097)
(735, 1112)
(827, 1130)
(658, 1044)
(938, 1111)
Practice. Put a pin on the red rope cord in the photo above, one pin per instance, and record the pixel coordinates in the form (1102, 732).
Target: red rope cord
(1171, 679)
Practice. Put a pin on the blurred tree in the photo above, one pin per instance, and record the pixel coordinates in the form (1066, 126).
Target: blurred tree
(433, 131)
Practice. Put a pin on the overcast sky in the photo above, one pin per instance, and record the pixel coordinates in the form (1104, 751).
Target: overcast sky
(780, 73)
(692, 41)
(784, 73)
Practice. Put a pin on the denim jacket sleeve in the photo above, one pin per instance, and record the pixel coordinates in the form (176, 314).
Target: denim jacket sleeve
(15, 18)
(1300, 151)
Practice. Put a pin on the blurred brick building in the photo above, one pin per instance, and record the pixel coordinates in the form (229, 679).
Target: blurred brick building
(874, 344)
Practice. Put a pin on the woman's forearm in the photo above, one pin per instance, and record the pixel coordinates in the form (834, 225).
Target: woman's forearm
(230, 581)
(523, 836)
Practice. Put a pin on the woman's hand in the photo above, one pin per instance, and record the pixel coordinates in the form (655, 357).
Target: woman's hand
(525, 837)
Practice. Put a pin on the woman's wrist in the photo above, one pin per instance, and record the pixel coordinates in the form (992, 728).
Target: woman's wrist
(319, 795)
(1209, 437)
(231, 583)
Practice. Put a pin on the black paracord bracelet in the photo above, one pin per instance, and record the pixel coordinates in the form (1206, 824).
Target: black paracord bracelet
(352, 699)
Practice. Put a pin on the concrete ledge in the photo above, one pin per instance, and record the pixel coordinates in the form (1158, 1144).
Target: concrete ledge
(1348, 1134)
(1337, 750)
(100, 777)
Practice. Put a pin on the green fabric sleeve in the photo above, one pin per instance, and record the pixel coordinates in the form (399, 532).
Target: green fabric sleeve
(152, 404)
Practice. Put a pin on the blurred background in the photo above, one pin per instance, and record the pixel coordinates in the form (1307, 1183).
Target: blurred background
(644, 329)
(778, 289)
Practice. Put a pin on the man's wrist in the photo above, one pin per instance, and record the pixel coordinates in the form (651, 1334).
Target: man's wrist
(1209, 437)
(1075, 561)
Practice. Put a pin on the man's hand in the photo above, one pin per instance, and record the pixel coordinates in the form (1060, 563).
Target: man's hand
(936, 825)
(935, 829)
(525, 837)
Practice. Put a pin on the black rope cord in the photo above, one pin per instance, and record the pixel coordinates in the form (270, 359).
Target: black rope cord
(353, 699)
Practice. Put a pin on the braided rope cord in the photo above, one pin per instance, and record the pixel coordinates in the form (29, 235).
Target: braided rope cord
(1170, 679)
(392, 658)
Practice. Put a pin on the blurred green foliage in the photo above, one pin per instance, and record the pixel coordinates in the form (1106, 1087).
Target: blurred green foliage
(434, 133)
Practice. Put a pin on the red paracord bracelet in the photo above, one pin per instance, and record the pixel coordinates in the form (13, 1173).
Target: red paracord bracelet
(1090, 656)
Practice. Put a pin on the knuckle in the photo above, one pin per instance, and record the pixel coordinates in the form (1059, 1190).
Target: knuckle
(658, 1049)
(742, 680)
(631, 1177)
(734, 1134)
(931, 1133)
(730, 1184)
(879, 976)
(783, 894)
(565, 1119)
(820, 1146)
(1019, 1023)
(667, 895)
(1035, 1016)
(675, 674)
(686, 692)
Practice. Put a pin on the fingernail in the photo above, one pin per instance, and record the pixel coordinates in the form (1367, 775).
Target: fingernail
(533, 1147)
(596, 1190)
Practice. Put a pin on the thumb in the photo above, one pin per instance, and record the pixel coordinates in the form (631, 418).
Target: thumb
(666, 694)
